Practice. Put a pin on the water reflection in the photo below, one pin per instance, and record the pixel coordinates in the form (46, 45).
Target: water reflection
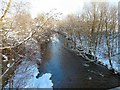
(51, 60)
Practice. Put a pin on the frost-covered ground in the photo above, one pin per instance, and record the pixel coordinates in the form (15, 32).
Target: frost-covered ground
(25, 77)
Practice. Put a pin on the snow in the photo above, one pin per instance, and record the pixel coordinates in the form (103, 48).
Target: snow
(13, 59)
(5, 57)
(101, 74)
(90, 78)
(86, 65)
(48, 40)
(42, 82)
(8, 65)
(114, 63)
(25, 77)
(11, 34)
(54, 38)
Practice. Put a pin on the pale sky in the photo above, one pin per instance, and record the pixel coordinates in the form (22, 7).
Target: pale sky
(63, 6)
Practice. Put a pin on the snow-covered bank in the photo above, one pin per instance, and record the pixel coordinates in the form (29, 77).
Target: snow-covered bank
(101, 51)
(115, 64)
(42, 82)
(27, 70)
(25, 77)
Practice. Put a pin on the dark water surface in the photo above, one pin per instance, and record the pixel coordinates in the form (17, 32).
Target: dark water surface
(71, 71)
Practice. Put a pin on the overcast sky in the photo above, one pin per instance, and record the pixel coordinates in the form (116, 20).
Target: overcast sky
(64, 6)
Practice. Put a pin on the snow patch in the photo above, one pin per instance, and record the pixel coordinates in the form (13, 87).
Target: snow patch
(42, 82)
(114, 63)
(54, 38)
(5, 57)
(8, 65)
(25, 77)
(86, 65)
(90, 78)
